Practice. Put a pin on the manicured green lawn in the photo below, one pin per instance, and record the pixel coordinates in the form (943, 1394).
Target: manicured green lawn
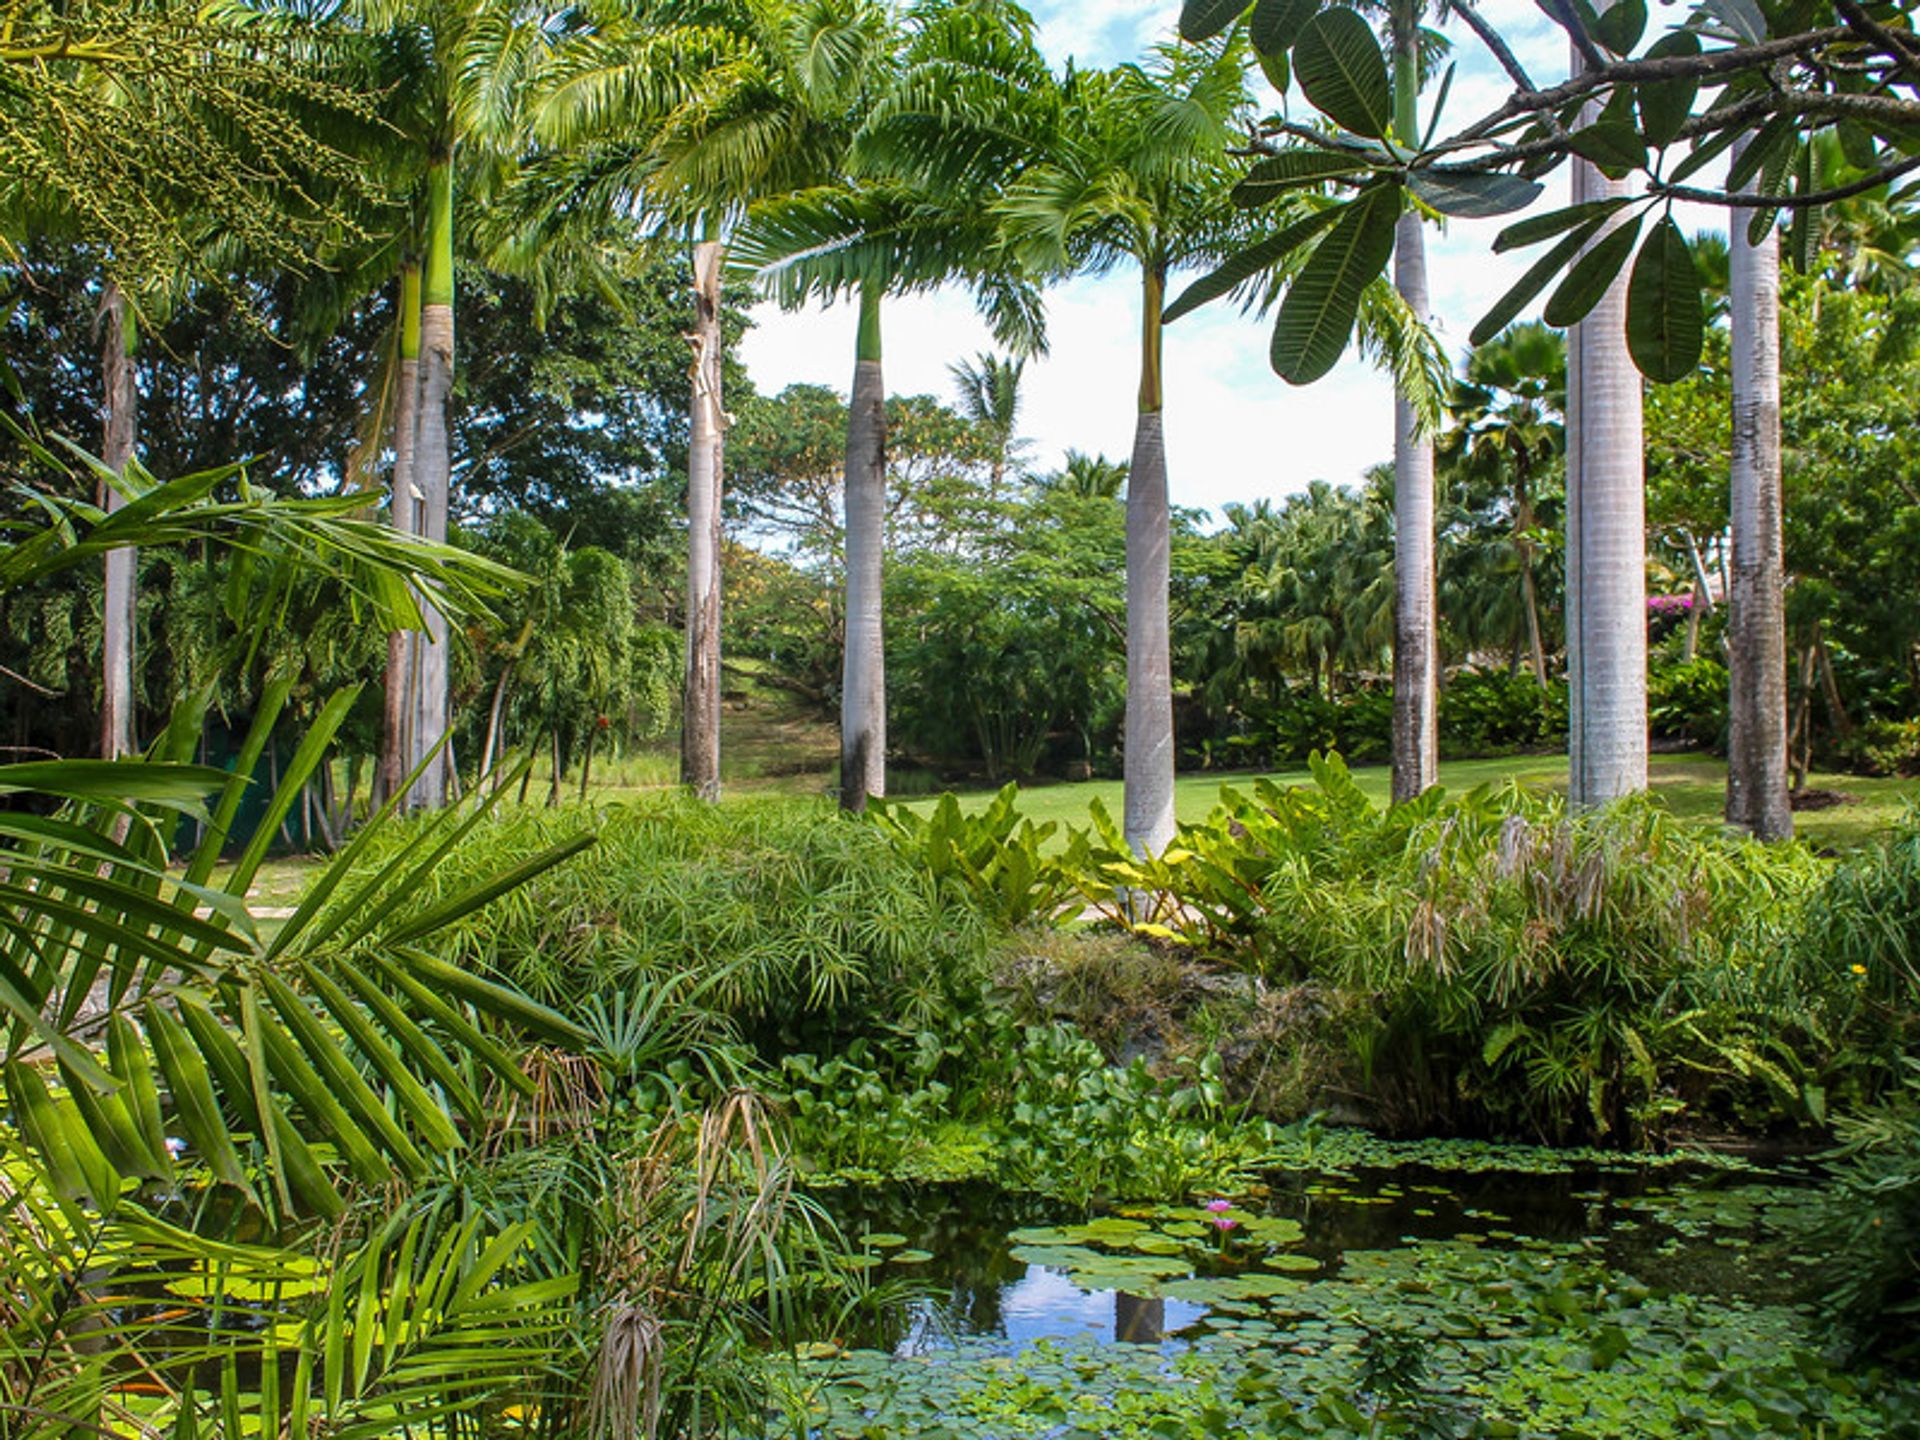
(1693, 786)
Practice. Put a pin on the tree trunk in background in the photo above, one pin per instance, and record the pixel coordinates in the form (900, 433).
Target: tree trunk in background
(700, 695)
(1416, 725)
(1606, 545)
(397, 714)
(432, 477)
(1756, 606)
(863, 688)
(120, 429)
(1148, 770)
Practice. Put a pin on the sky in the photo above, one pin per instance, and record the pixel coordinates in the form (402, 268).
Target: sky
(1235, 431)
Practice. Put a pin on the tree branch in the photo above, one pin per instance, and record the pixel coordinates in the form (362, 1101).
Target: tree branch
(1788, 202)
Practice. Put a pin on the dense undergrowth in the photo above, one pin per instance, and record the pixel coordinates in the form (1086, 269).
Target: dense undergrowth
(938, 997)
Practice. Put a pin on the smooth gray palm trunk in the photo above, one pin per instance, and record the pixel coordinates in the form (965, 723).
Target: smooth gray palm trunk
(700, 693)
(1757, 798)
(397, 754)
(118, 617)
(432, 479)
(1416, 726)
(1148, 772)
(863, 688)
(1606, 545)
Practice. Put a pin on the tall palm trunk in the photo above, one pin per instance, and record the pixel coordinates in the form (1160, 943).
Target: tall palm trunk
(121, 420)
(1756, 608)
(396, 756)
(700, 696)
(432, 478)
(1416, 729)
(1148, 770)
(1523, 542)
(863, 688)
(1606, 545)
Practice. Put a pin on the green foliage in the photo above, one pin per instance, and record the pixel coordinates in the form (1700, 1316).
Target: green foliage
(1869, 1225)
(1687, 700)
(795, 918)
(993, 855)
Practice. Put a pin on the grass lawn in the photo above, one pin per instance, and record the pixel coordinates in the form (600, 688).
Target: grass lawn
(1692, 786)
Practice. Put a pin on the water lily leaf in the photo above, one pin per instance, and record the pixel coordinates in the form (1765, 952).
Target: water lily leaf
(883, 1239)
(910, 1257)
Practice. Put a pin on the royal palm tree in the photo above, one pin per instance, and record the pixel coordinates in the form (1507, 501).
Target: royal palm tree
(1757, 798)
(1139, 176)
(889, 225)
(1606, 543)
(688, 114)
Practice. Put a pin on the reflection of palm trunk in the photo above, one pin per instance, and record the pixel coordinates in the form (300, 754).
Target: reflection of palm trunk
(700, 698)
(1148, 799)
(1137, 1321)
(863, 689)
(118, 613)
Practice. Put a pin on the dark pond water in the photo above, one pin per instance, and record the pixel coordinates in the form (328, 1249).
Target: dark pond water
(984, 1267)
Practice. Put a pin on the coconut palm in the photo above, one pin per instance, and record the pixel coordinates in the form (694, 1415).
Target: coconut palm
(1756, 601)
(1139, 176)
(687, 114)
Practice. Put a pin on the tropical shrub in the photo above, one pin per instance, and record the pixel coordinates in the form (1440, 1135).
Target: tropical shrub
(790, 918)
(1885, 747)
(1528, 970)
(1687, 700)
(1869, 1225)
(993, 855)
(1489, 712)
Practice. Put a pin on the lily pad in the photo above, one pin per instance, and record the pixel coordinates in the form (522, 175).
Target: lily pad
(883, 1239)
(910, 1257)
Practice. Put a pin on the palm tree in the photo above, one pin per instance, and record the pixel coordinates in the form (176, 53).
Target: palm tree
(1606, 543)
(1507, 412)
(1416, 696)
(459, 68)
(120, 414)
(689, 113)
(1757, 798)
(1139, 176)
(989, 388)
(887, 226)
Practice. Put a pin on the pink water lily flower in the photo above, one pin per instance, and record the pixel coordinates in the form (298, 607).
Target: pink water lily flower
(1216, 1206)
(1224, 1223)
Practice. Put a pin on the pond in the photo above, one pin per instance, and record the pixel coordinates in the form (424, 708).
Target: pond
(1417, 1299)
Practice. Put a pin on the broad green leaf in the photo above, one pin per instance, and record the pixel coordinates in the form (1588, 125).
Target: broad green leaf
(1473, 197)
(1614, 146)
(1557, 222)
(1704, 152)
(1203, 19)
(1316, 317)
(1665, 324)
(1620, 26)
(1665, 104)
(1590, 276)
(1293, 168)
(1529, 285)
(1276, 24)
(1338, 62)
(1250, 262)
